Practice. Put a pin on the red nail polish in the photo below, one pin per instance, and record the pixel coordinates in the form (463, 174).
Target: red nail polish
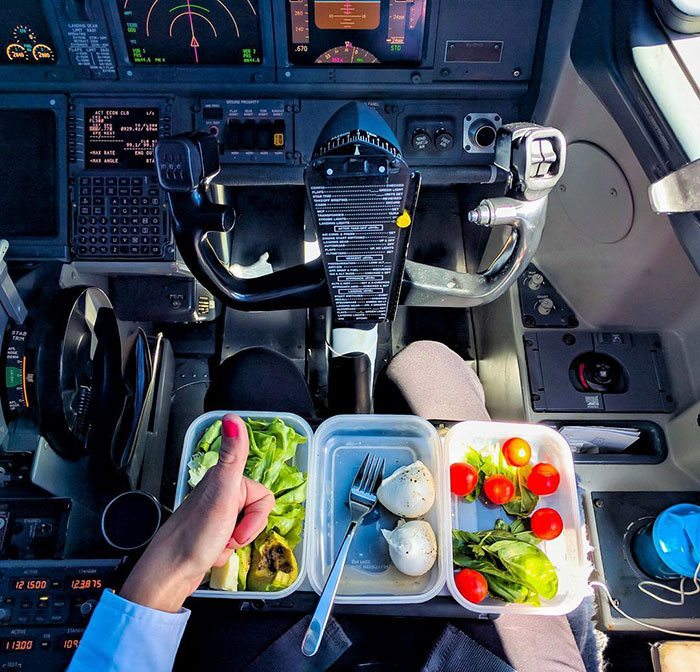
(230, 428)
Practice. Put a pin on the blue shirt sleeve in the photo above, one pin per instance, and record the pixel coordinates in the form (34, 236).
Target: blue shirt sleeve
(127, 637)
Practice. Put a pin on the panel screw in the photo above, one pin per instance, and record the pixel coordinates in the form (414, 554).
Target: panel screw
(613, 193)
(569, 339)
(598, 503)
(416, 78)
(536, 397)
(445, 72)
(517, 72)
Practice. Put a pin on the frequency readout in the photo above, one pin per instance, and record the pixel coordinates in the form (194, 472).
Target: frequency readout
(121, 138)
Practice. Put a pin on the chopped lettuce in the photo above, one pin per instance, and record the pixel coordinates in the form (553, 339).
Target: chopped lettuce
(244, 555)
(272, 445)
(200, 464)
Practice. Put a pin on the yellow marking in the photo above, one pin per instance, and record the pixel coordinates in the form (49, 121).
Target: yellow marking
(24, 380)
(403, 220)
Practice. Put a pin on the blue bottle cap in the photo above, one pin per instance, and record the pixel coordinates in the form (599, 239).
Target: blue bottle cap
(676, 535)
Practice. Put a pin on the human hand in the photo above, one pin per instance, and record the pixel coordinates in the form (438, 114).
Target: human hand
(205, 529)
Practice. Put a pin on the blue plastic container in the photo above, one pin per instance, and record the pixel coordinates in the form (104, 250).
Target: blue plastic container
(669, 547)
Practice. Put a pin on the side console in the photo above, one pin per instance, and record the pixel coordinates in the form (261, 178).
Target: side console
(117, 208)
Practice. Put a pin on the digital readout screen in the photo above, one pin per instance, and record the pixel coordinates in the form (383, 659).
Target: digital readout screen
(29, 584)
(120, 138)
(17, 644)
(79, 583)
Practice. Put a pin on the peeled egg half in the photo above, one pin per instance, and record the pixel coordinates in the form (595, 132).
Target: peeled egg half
(409, 492)
(412, 547)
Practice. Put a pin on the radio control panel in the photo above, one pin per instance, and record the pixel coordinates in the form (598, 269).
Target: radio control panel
(44, 608)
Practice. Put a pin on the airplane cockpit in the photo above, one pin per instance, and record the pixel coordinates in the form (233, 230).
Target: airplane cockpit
(424, 250)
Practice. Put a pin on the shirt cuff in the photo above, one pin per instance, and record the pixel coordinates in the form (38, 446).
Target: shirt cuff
(125, 637)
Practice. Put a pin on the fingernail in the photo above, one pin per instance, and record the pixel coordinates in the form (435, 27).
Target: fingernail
(230, 428)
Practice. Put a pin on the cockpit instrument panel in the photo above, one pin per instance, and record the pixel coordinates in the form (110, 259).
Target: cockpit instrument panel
(192, 32)
(24, 34)
(356, 32)
(121, 138)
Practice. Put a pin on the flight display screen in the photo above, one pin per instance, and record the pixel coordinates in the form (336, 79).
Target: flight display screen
(24, 34)
(30, 175)
(356, 32)
(121, 138)
(192, 32)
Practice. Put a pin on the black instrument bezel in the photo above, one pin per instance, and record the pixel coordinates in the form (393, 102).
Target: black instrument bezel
(256, 73)
(54, 247)
(316, 73)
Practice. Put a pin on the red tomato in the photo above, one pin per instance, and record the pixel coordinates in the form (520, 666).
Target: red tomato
(546, 524)
(499, 489)
(543, 479)
(472, 585)
(517, 452)
(463, 478)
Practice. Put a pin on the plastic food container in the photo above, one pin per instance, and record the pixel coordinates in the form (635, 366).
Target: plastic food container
(340, 445)
(301, 460)
(566, 552)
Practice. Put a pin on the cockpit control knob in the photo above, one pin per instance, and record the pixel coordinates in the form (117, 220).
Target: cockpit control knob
(421, 140)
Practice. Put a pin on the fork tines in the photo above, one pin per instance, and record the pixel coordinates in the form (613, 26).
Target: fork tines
(369, 475)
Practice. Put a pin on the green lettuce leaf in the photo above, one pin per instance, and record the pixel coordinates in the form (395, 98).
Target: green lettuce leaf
(529, 565)
(200, 464)
(272, 445)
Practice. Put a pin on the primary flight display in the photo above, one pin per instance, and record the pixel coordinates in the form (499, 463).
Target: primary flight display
(356, 32)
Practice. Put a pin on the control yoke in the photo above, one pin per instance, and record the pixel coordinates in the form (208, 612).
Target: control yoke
(349, 155)
(533, 159)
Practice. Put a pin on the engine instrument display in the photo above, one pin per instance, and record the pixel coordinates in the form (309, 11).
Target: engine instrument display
(121, 138)
(24, 34)
(356, 32)
(192, 32)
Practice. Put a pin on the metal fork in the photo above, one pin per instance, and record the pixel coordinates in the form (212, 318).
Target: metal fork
(362, 499)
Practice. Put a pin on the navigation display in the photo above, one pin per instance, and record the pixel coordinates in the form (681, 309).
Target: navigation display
(192, 32)
(24, 34)
(121, 138)
(356, 32)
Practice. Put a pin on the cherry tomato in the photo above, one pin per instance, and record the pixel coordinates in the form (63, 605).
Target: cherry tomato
(472, 585)
(543, 479)
(517, 452)
(546, 524)
(499, 489)
(463, 478)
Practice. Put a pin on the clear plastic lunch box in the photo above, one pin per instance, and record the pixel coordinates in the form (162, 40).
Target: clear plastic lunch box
(302, 460)
(369, 577)
(331, 458)
(567, 551)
